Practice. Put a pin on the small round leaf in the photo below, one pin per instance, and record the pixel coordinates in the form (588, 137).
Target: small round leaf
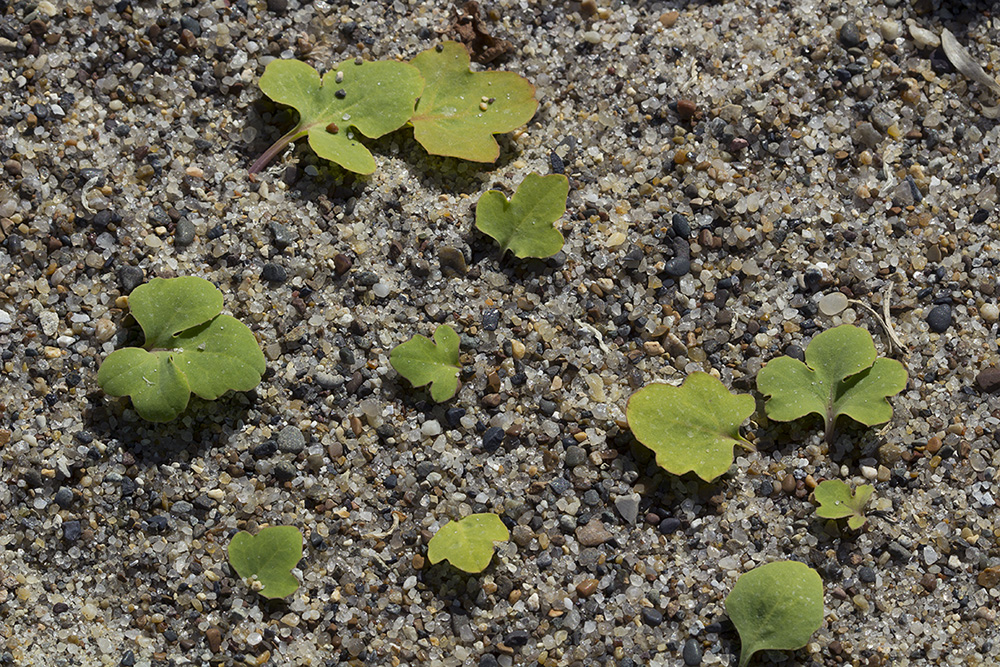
(422, 361)
(468, 544)
(777, 606)
(268, 557)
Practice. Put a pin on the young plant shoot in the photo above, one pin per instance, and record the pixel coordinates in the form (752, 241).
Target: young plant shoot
(841, 376)
(265, 560)
(468, 543)
(523, 224)
(423, 361)
(189, 347)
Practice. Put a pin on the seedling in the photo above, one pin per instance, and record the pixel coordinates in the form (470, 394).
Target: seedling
(459, 110)
(841, 376)
(468, 543)
(189, 347)
(692, 427)
(777, 606)
(836, 501)
(372, 98)
(523, 224)
(422, 361)
(265, 560)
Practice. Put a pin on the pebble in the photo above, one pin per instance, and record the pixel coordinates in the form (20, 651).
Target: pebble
(833, 303)
(680, 225)
(488, 660)
(71, 531)
(989, 578)
(587, 587)
(575, 455)
(652, 617)
(923, 38)
(939, 319)
(291, 440)
(593, 533)
(788, 483)
(890, 30)
(452, 258)
(130, 277)
(283, 235)
(849, 35)
(669, 525)
(492, 438)
(628, 507)
(990, 312)
(692, 652)
(273, 273)
(988, 379)
(184, 232)
(64, 497)
(214, 638)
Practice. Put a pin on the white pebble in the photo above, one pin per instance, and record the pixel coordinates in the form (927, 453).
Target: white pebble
(833, 303)
(430, 428)
(990, 312)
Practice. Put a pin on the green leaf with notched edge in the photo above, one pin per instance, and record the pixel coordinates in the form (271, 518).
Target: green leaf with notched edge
(523, 224)
(836, 501)
(776, 607)
(158, 388)
(692, 427)
(422, 361)
(165, 306)
(371, 98)
(459, 110)
(206, 353)
(841, 376)
(268, 558)
(468, 544)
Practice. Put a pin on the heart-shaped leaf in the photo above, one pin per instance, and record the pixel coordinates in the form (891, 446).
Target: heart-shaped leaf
(468, 544)
(206, 353)
(422, 361)
(373, 98)
(836, 501)
(459, 110)
(268, 558)
(841, 376)
(692, 427)
(777, 607)
(523, 224)
(165, 307)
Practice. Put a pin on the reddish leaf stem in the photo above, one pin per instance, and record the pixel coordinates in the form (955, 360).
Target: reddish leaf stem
(275, 149)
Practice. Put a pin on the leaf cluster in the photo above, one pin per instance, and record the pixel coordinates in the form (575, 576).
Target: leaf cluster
(454, 112)
(190, 347)
(837, 501)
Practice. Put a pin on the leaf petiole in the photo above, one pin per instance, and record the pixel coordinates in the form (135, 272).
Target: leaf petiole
(275, 149)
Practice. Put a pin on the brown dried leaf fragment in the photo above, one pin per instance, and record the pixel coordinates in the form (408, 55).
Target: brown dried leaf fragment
(471, 30)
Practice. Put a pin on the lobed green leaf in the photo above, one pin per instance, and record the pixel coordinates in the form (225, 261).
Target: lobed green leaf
(837, 501)
(422, 362)
(468, 544)
(268, 556)
(524, 223)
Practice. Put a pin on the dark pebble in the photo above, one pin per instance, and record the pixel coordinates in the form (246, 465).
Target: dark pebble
(692, 652)
(283, 236)
(795, 352)
(71, 531)
(681, 262)
(547, 407)
(128, 659)
(454, 416)
(215, 232)
(560, 485)
(285, 471)
(867, 575)
(265, 450)
(367, 279)
(346, 356)
(341, 264)
(273, 273)
(130, 277)
(988, 379)
(184, 232)
(652, 617)
(188, 23)
(487, 660)
(558, 167)
(491, 319)
(939, 319)
(575, 455)
(493, 438)
(980, 216)
(278, 7)
(64, 497)
(633, 258)
(849, 35)
(681, 225)
(60, 608)
(669, 525)
(516, 639)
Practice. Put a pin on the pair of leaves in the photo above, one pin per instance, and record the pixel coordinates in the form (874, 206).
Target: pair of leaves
(841, 376)
(523, 224)
(189, 347)
(837, 501)
(468, 543)
(693, 427)
(268, 558)
(455, 112)
(777, 606)
(423, 361)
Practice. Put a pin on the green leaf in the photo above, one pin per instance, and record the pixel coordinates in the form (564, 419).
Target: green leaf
(268, 558)
(692, 427)
(777, 606)
(373, 98)
(468, 544)
(158, 388)
(450, 118)
(841, 376)
(207, 353)
(836, 501)
(523, 224)
(165, 307)
(421, 362)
